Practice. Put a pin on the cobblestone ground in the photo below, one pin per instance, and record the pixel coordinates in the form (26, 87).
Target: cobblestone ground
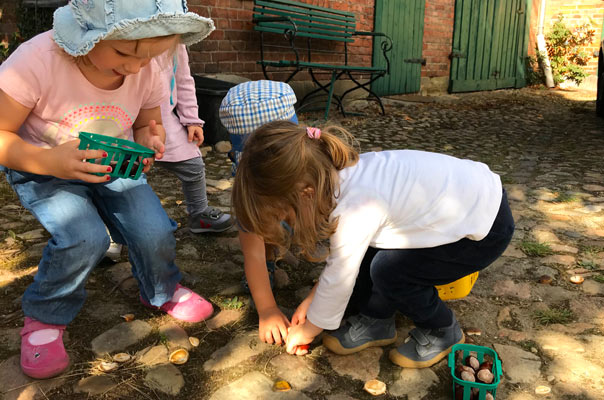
(548, 332)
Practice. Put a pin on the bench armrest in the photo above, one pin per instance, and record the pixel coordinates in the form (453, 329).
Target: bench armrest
(362, 33)
(386, 44)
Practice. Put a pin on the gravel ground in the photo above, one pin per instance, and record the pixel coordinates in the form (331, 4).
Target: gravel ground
(548, 147)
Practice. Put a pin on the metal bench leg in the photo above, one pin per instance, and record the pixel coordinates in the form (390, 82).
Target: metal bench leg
(331, 88)
(364, 86)
(319, 89)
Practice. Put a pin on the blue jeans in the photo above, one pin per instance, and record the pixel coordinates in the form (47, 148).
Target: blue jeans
(403, 280)
(75, 214)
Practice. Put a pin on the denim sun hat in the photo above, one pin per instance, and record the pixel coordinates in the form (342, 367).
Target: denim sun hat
(249, 105)
(81, 24)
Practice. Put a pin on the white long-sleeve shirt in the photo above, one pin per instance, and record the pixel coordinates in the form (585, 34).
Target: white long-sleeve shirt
(402, 199)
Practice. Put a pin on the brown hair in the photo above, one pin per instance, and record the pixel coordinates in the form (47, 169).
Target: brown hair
(278, 163)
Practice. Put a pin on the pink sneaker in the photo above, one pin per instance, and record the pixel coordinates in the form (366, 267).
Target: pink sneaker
(43, 354)
(185, 305)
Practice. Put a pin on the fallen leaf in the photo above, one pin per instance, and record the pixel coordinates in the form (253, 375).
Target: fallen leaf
(375, 387)
(282, 386)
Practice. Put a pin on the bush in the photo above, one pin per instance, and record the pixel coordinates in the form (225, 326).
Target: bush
(564, 48)
(534, 73)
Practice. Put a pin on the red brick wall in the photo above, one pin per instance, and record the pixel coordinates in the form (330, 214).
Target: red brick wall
(438, 37)
(575, 12)
(234, 47)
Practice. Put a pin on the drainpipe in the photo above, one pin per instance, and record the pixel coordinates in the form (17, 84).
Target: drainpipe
(542, 48)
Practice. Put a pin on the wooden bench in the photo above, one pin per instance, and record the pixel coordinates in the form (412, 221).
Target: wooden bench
(315, 37)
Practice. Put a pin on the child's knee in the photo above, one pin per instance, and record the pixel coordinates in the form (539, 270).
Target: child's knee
(158, 240)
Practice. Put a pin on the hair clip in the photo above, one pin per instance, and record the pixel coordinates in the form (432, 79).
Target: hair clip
(313, 133)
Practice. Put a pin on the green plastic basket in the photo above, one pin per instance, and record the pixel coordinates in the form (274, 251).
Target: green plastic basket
(124, 157)
(483, 388)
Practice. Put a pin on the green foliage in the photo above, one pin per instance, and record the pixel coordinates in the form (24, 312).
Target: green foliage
(535, 249)
(564, 197)
(554, 315)
(598, 278)
(588, 264)
(564, 48)
(534, 74)
(233, 303)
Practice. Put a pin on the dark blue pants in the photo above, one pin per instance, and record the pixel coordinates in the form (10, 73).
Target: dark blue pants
(403, 279)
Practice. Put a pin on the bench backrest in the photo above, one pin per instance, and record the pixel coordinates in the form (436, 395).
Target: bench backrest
(311, 21)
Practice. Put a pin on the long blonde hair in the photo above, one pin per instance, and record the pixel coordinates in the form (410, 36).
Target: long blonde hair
(279, 164)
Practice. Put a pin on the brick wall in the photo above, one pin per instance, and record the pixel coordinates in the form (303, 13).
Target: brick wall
(576, 12)
(438, 37)
(234, 47)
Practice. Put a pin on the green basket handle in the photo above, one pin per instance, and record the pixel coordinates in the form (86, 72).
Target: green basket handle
(498, 368)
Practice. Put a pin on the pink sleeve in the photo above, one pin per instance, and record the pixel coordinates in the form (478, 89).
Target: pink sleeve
(186, 105)
(23, 74)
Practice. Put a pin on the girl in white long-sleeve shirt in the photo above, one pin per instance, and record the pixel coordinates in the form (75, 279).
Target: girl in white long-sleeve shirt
(398, 223)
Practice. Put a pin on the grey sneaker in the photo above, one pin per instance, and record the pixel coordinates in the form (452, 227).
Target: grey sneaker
(360, 332)
(425, 347)
(210, 220)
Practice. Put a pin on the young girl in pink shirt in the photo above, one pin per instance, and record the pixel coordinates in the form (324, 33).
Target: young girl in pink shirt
(95, 72)
(184, 135)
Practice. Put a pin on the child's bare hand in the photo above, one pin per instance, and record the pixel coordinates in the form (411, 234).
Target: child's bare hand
(65, 162)
(273, 326)
(151, 136)
(299, 336)
(299, 316)
(195, 134)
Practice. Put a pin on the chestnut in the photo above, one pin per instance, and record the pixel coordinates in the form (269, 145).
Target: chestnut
(489, 396)
(473, 362)
(486, 365)
(467, 376)
(460, 368)
(459, 392)
(485, 376)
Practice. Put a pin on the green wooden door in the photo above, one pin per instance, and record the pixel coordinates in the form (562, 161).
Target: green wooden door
(403, 21)
(490, 44)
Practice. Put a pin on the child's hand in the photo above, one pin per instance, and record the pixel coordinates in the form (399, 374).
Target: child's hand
(299, 316)
(151, 136)
(273, 326)
(195, 134)
(65, 162)
(301, 335)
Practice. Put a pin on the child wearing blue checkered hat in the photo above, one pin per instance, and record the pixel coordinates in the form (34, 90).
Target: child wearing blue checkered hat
(249, 105)
(245, 108)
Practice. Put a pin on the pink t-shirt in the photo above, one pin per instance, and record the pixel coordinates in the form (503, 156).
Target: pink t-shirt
(41, 76)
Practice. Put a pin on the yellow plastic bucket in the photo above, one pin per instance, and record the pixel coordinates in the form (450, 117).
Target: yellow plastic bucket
(458, 289)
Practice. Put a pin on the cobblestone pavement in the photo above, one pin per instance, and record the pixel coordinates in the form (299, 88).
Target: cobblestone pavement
(548, 332)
